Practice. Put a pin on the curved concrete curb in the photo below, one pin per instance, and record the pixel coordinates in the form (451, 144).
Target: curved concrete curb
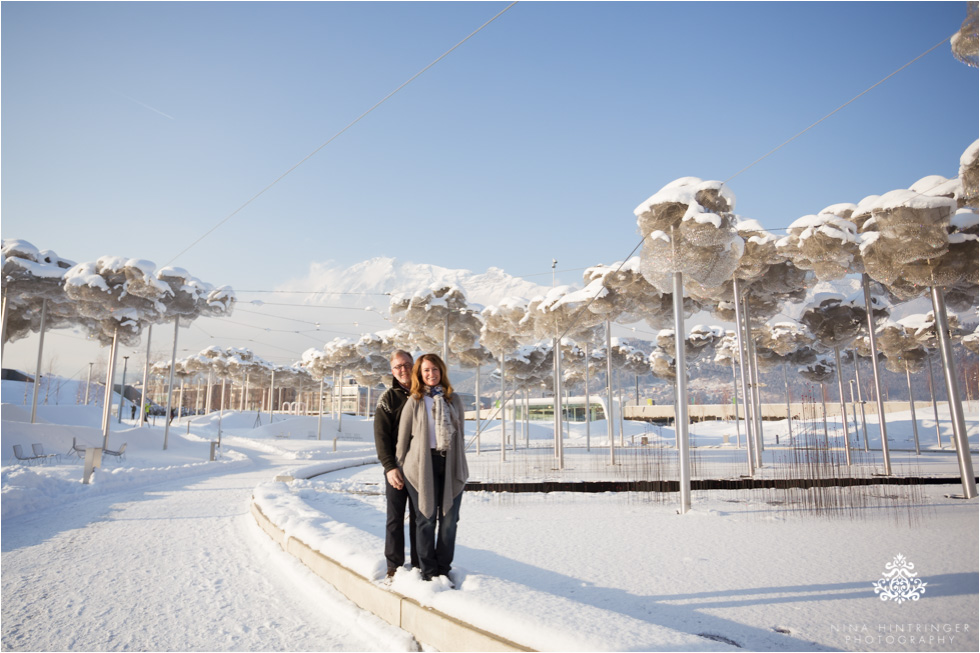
(427, 625)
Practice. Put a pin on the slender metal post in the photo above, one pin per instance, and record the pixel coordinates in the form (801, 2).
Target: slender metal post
(749, 440)
(146, 377)
(681, 420)
(952, 392)
(207, 396)
(789, 411)
(843, 408)
(478, 408)
(850, 386)
(760, 444)
(609, 394)
(503, 408)
(559, 431)
(272, 396)
(3, 320)
(40, 352)
(588, 403)
(107, 401)
(935, 407)
(915, 423)
(738, 430)
(122, 391)
(88, 384)
(319, 413)
(170, 385)
(873, 339)
(864, 417)
(180, 397)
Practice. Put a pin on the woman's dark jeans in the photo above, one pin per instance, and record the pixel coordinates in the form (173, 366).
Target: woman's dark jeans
(436, 545)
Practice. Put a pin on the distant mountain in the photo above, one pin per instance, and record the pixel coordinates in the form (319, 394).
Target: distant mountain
(381, 276)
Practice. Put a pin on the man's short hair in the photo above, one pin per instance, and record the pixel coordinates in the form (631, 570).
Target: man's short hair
(398, 353)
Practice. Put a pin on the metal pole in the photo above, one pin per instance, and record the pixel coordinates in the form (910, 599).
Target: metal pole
(3, 319)
(681, 420)
(588, 403)
(749, 444)
(170, 385)
(319, 414)
(850, 386)
(122, 391)
(789, 411)
(864, 417)
(503, 410)
(559, 431)
(610, 411)
(40, 352)
(756, 392)
(207, 396)
(88, 384)
(272, 395)
(952, 392)
(915, 425)
(146, 377)
(935, 407)
(478, 407)
(107, 402)
(885, 454)
(843, 408)
(738, 430)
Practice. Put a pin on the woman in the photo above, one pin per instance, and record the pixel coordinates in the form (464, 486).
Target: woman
(431, 454)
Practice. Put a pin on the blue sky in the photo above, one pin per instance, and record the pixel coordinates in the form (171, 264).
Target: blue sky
(132, 128)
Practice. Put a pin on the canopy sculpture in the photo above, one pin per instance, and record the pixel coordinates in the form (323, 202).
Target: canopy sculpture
(835, 323)
(906, 245)
(561, 312)
(622, 293)
(688, 230)
(34, 298)
(821, 371)
(438, 317)
(964, 42)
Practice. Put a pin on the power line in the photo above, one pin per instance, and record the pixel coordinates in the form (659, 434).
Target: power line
(338, 134)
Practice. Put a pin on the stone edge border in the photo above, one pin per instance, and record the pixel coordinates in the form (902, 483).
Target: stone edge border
(427, 625)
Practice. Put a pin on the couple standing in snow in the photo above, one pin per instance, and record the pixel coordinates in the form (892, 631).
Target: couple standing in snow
(418, 432)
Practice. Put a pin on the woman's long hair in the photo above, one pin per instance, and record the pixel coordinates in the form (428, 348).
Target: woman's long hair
(418, 385)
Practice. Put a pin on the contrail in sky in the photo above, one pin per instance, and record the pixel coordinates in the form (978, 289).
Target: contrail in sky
(145, 105)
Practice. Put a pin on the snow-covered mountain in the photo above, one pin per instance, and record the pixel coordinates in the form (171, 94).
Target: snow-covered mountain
(381, 276)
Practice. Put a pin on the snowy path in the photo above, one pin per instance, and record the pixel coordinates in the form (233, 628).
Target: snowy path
(184, 560)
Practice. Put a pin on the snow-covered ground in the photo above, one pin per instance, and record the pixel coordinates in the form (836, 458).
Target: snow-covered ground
(159, 551)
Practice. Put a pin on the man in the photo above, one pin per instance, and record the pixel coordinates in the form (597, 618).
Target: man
(386, 417)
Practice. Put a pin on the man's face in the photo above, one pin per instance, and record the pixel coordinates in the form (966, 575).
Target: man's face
(401, 368)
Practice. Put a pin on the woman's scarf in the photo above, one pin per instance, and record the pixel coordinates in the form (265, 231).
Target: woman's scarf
(440, 417)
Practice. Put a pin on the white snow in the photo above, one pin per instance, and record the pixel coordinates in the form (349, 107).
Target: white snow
(160, 552)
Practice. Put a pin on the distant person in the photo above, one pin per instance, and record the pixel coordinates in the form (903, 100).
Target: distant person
(386, 416)
(132, 411)
(431, 454)
(173, 413)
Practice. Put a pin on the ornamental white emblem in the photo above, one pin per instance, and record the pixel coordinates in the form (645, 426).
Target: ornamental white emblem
(898, 582)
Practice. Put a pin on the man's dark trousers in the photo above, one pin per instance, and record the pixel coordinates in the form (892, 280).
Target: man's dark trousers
(395, 527)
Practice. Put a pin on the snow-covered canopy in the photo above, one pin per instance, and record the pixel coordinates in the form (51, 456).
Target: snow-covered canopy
(688, 226)
(30, 278)
(426, 313)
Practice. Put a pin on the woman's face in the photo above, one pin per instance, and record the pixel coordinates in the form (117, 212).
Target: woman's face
(430, 373)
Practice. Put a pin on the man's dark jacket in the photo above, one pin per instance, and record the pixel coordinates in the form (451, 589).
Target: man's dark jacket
(386, 416)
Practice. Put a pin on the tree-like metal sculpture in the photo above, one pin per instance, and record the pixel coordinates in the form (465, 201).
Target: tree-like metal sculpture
(688, 229)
